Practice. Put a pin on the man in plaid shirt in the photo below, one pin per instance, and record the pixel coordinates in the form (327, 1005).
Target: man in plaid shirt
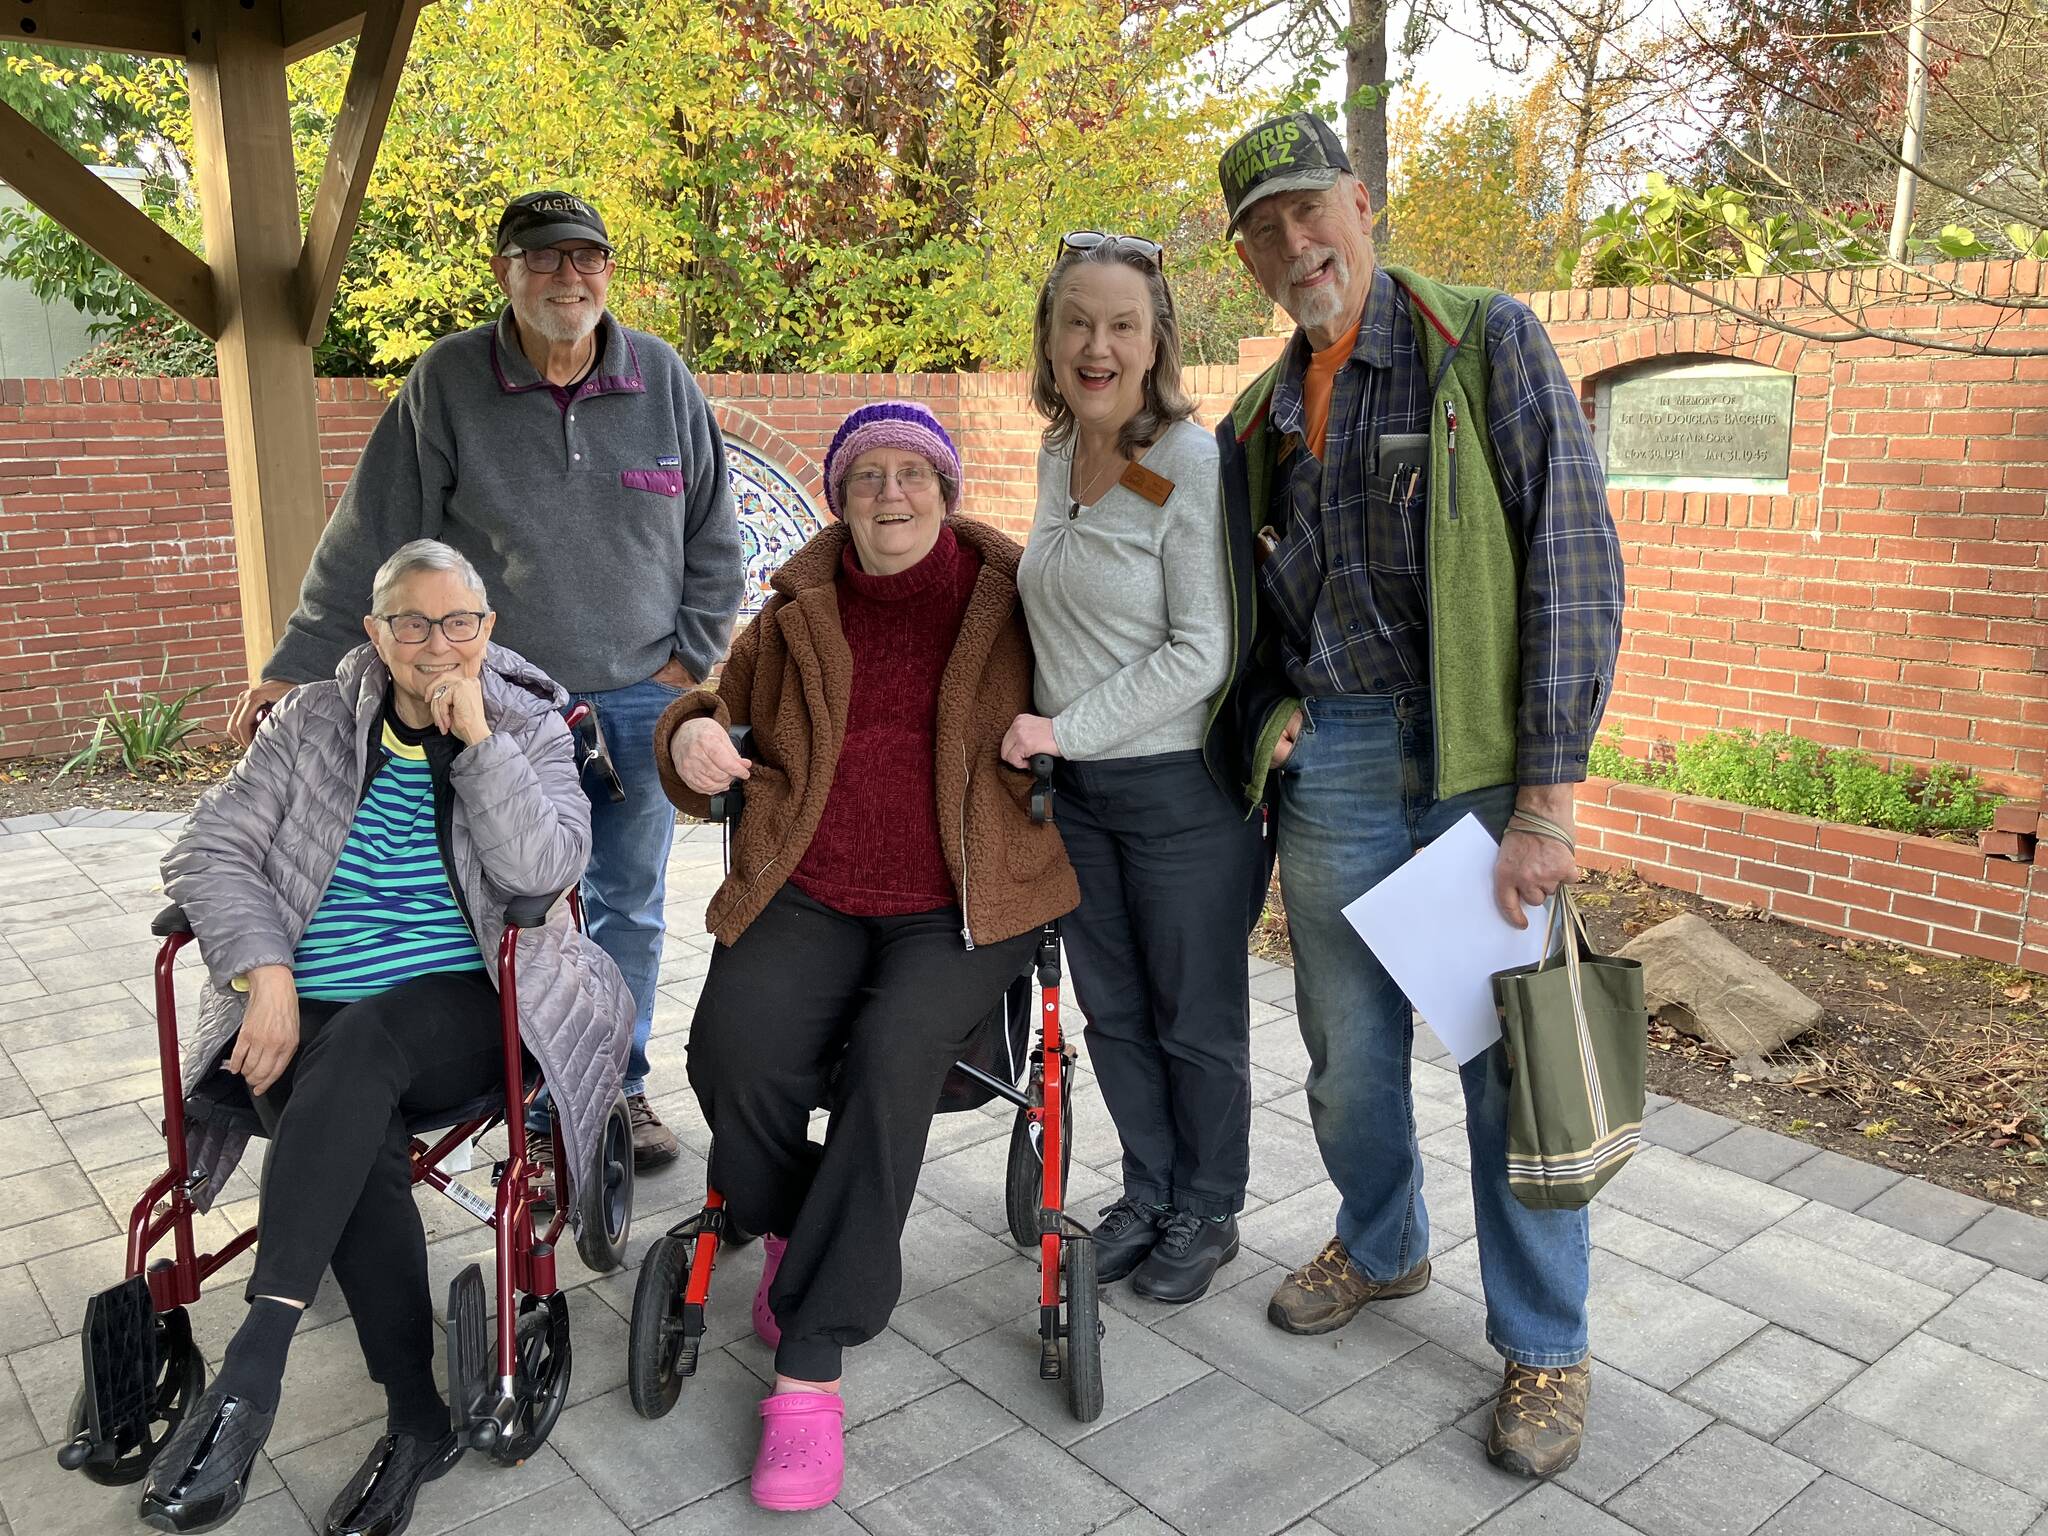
(1430, 588)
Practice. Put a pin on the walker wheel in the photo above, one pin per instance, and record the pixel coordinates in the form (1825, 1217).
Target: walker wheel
(1024, 1181)
(659, 1354)
(1082, 1325)
(180, 1378)
(540, 1383)
(606, 1208)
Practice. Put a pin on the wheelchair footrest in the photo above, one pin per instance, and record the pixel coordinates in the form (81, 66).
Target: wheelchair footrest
(119, 1344)
(470, 1389)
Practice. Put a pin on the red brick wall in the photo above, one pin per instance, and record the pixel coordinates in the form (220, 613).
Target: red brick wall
(117, 562)
(1933, 895)
(1894, 598)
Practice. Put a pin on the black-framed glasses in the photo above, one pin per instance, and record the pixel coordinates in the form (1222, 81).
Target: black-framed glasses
(587, 259)
(1093, 239)
(413, 628)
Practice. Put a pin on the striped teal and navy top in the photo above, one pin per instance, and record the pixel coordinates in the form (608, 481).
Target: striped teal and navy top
(388, 914)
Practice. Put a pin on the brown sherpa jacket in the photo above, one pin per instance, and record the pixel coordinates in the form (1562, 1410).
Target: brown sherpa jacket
(790, 676)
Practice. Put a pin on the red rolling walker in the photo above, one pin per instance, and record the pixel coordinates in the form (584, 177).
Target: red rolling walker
(675, 1277)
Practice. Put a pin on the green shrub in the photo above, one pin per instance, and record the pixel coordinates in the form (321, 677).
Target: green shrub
(1778, 771)
(152, 735)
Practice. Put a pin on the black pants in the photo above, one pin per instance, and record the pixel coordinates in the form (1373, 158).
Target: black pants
(1167, 864)
(337, 1183)
(899, 998)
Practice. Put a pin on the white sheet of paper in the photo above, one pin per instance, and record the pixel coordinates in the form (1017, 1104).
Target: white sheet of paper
(1433, 925)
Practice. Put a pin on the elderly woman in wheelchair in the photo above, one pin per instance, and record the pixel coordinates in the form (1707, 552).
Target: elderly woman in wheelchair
(887, 886)
(347, 885)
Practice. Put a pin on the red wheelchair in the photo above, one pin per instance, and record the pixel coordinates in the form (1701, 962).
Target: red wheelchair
(675, 1276)
(143, 1370)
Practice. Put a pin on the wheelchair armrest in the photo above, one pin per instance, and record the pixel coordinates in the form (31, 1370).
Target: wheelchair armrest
(169, 921)
(530, 911)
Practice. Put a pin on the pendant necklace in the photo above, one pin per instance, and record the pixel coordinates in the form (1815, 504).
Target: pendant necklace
(1074, 500)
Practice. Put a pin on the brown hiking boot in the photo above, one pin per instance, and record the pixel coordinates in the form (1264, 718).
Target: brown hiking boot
(1328, 1291)
(654, 1144)
(1539, 1418)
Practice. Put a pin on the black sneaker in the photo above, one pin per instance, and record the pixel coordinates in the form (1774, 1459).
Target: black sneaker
(1189, 1252)
(198, 1479)
(1123, 1237)
(378, 1500)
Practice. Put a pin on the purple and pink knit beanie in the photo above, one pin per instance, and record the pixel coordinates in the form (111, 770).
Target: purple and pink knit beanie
(891, 424)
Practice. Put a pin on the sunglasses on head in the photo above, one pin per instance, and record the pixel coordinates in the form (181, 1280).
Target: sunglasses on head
(1091, 239)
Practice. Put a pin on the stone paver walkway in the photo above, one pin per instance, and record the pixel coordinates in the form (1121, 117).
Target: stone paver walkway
(1788, 1341)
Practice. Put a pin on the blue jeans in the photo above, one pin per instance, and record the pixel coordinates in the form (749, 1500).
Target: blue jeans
(1357, 799)
(629, 844)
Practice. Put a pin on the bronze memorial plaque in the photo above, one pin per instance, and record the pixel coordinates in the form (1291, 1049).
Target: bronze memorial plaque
(1711, 426)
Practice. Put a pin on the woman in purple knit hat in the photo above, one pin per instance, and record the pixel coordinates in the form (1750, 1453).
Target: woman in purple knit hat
(887, 884)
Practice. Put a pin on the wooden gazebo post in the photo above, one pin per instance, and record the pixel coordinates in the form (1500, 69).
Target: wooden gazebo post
(265, 288)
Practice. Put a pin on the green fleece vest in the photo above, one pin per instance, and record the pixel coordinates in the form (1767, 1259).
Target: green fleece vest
(1474, 556)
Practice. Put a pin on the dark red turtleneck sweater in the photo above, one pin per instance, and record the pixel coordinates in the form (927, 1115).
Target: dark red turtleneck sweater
(877, 852)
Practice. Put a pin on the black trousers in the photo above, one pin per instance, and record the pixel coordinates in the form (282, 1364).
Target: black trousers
(1167, 865)
(337, 1182)
(898, 998)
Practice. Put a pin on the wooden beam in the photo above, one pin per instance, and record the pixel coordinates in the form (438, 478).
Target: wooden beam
(48, 175)
(311, 25)
(120, 26)
(365, 106)
(242, 138)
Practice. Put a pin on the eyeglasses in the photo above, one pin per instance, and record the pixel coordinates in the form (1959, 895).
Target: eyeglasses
(587, 259)
(413, 628)
(910, 479)
(1091, 239)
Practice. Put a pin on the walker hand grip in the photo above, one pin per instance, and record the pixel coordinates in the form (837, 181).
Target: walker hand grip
(726, 804)
(1041, 787)
(169, 921)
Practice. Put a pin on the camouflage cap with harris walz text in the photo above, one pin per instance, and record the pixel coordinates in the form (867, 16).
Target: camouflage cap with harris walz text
(1295, 152)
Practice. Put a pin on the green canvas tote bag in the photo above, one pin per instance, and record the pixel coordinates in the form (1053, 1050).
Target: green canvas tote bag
(1576, 1033)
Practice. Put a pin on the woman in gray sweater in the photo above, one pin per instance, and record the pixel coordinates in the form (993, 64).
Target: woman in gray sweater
(1126, 591)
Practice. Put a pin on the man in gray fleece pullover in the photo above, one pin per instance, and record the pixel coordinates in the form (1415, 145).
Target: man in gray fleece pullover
(576, 463)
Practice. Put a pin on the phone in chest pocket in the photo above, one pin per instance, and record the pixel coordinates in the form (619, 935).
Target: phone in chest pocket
(1403, 466)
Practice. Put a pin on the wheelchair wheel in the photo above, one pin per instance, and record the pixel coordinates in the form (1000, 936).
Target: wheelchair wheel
(658, 1354)
(541, 1382)
(180, 1378)
(606, 1208)
(1082, 1365)
(1024, 1180)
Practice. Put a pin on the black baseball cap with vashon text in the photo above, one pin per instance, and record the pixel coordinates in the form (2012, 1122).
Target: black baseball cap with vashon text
(1295, 152)
(541, 219)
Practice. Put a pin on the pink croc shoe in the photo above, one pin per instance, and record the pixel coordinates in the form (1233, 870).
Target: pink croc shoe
(765, 1326)
(802, 1460)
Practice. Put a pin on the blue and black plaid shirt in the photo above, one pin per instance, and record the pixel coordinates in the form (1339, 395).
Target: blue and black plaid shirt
(1347, 580)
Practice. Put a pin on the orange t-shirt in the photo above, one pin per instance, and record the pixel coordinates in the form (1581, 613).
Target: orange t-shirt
(1316, 382)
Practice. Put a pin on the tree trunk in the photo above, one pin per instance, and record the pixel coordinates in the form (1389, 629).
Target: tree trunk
(1365, 101)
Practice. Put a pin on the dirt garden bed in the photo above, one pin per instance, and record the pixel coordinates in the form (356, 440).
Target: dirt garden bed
(1936, 1067)
(27, 787)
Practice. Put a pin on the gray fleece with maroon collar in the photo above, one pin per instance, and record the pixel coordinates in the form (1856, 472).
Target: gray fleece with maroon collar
(603, 527)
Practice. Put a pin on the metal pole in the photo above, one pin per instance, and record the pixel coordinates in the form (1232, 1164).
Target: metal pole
(1916, 122)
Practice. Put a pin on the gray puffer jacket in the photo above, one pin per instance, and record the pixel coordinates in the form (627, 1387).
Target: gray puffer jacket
(259, 850)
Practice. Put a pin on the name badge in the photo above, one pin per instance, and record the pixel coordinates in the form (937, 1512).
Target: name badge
(1154, 487)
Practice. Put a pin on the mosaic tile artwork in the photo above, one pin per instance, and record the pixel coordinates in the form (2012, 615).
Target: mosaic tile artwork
(776, 517)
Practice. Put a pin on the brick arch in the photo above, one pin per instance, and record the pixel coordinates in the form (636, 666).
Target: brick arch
(737, 422)
(1705, 336)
